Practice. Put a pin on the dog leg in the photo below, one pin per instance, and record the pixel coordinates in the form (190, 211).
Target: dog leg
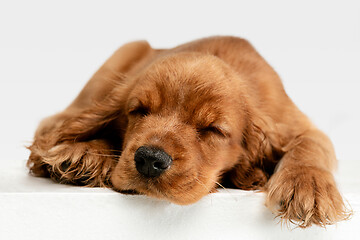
(80, 163)
(303, 188)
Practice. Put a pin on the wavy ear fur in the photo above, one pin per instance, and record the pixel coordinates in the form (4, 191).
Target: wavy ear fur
(79, 141)
(257, 162)
(248, 172)
(80, 149)
(90, 122)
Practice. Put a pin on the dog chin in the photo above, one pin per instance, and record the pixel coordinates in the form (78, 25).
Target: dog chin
(179, 199)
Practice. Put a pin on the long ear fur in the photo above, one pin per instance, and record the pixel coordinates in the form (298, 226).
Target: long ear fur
(90, 122)
(85, 124)
(248, 173)
(259, 157)
(77, 150)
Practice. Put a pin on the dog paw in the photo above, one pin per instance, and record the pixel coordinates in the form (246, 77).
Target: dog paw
(305, 195)
(79, 163)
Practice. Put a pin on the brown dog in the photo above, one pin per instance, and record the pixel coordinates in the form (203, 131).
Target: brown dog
(174, 124)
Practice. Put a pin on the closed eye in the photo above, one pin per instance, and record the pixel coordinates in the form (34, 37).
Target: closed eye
(212, 129)
(137, 108)
(139, 111)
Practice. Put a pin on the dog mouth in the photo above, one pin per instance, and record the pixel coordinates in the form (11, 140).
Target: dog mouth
(182, 190)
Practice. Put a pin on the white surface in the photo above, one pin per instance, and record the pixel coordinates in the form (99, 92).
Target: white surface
(48, 50)
(36, 208)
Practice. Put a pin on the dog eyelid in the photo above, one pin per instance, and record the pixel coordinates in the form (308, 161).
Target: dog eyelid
(142, 111)
(216, 129)
(135, 107)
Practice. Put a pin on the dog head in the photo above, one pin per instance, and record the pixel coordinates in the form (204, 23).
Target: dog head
(185, 118)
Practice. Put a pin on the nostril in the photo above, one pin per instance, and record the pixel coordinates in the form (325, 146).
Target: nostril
(151, 161)
(161, 165)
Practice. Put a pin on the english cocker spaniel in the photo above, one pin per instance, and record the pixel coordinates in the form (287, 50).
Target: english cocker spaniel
(176, 123)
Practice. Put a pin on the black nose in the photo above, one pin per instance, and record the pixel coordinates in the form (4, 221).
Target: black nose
(151, 161)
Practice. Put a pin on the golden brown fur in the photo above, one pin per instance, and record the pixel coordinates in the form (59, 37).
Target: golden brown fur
(216, 107)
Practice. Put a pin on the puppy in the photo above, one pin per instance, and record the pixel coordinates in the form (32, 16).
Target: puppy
(174, 124)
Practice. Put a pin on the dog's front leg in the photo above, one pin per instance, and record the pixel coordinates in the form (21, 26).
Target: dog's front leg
(303, 188)
(81, 163)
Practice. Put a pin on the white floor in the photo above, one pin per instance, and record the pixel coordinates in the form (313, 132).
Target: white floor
(48, 51)
(35, 208)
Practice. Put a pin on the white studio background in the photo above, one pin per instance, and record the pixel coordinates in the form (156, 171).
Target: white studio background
(49, 49)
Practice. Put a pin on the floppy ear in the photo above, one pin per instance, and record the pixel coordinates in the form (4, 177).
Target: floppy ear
(92, 122)
(81, 149)
(249, 173)
(256, 163)
(88, 117)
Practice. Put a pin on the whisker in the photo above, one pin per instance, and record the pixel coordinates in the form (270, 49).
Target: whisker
(220, 185)
(217, 183)
(202, 184)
